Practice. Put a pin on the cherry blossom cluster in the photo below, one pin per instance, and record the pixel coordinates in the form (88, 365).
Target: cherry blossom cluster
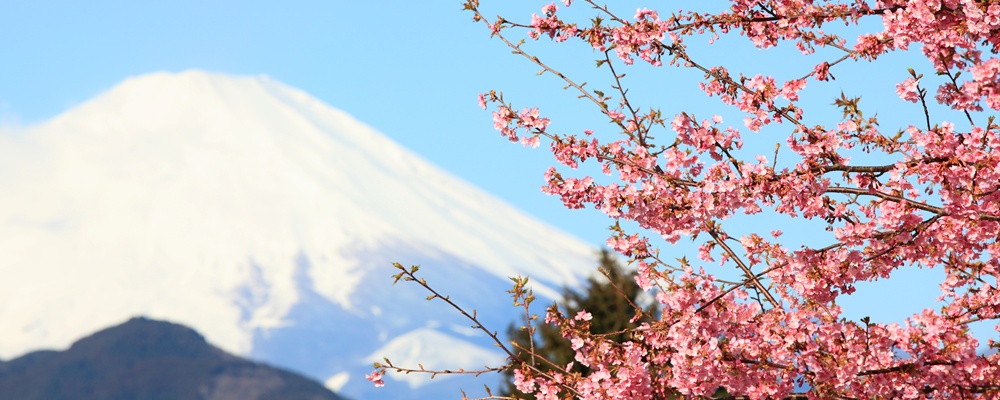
(507, 121)
(925, 196)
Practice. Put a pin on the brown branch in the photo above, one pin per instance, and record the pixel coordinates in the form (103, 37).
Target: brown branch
(734, 287)
(717, 21)
(746, 270)
(420, 369)
(624, 93)
(874, 168)
(410, 275)
(886, 196)
(905, 368)
(534, 59)
(680, 53)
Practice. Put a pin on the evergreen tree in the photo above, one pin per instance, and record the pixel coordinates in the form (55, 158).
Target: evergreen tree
(608, 302)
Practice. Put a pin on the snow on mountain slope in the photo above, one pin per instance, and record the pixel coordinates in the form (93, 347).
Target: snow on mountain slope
(256, 214)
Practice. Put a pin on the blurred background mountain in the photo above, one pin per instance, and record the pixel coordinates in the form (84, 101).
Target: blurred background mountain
(150, 359)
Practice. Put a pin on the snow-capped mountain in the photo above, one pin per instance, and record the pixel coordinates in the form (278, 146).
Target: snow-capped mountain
(264, 219)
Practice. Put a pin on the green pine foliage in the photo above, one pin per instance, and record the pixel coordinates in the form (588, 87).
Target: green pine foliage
(609, 299)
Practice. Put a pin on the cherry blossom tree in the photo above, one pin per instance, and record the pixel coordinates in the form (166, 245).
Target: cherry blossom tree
(922, 195)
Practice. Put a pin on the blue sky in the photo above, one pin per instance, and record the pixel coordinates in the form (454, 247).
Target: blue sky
(410, 69)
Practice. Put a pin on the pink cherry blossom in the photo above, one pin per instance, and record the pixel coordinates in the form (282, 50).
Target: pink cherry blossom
(376, 378)
(923, 195)
(907, 90)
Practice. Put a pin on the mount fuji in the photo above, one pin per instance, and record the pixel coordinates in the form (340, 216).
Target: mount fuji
(266, 220)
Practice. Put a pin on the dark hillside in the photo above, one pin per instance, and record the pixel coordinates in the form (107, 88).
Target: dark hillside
(149, 359)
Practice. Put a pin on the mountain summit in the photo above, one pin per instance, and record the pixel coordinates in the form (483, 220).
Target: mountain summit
(264, 219)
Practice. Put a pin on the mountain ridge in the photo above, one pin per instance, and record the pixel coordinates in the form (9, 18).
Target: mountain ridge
(149, 359)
